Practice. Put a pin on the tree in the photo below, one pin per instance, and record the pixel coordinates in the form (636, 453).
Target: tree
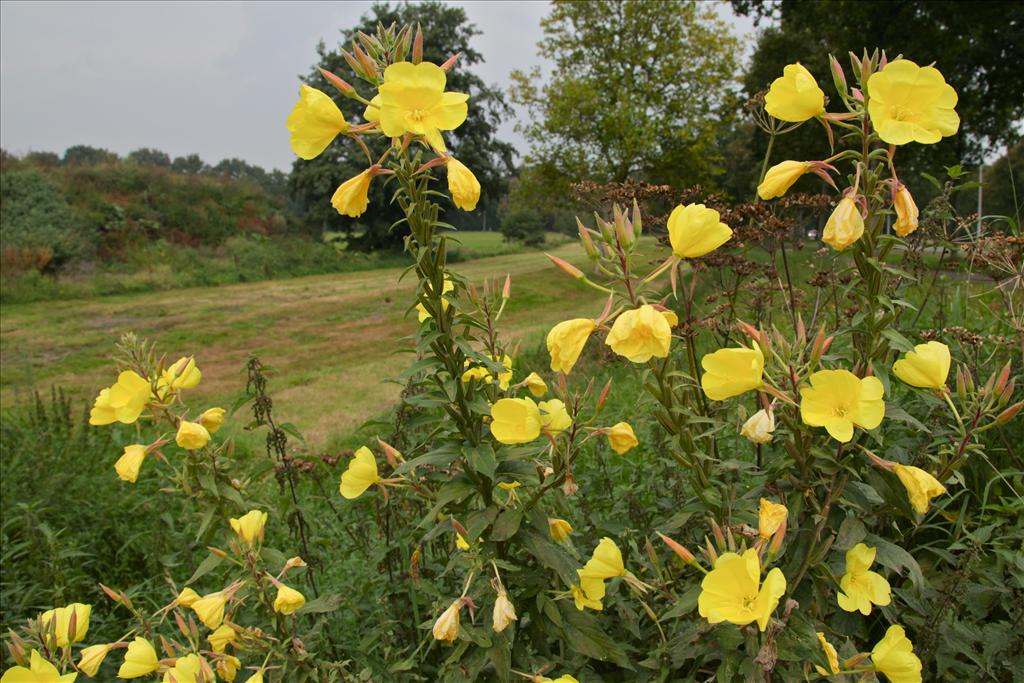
(86, 155)
(191, 164)
(447, 32)
(977, 54)
(639, 89)
(146, 156)
(1004, 185)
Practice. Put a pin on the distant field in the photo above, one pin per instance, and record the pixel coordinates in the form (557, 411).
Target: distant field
(331, 338)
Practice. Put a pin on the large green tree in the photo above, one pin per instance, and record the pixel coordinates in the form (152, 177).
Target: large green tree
(447, 31)
(637, 89)
(975, 46)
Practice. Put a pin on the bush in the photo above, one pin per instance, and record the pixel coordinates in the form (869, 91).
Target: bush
(36, 219)
(525, 226)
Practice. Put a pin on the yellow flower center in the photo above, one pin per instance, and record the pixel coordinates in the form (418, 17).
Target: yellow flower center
(840, 411)
(903, 113)
(417, 115)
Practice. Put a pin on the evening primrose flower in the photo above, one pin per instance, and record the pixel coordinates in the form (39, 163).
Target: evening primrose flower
(191, 435)
(921, 486)
(640, 334)
(559, 529)
(140, 660)
(221, 637)
(122, 402)
(314, 123)
(830, 654)
(210, 609)
(187, 669)
(565, 342)
(910, 103)
(353, 196)
(413, 100)
(481, 373)
(360, 475)
(605, 563)
(91, 658)
(861, 588)
(780, 178)
(187, 597)
(554, 418)
(770, 517)
(733, 591)
(535, 383)
(731, 372)
(256, 677)
(621, 438)
(182, 374)
(38, 671)
(583, 601)
(130, 462)
(462, 184)
(504, 613)
(759, 427)
(906, 212)
(288, 599)
(227, 667)
(838, 400)
(695, 230)
(59, 619)
(422, 314)
(794, 96)
(249, 526)
(446, 628)
(461, 543)
(927, 366)
(515, 420)
(212, 419)
(894, 656)
(844, 226)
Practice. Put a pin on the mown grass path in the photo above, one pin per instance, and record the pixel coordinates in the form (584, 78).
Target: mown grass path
(331, 339)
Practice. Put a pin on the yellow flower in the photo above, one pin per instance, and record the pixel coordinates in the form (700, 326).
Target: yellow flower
(39, 671)
(566, 341)
(91, 658)
(583, 600)
(780, 178)
(794, 96)
(830, 654)
(640, 334)
(210, 609)
(60, 619)
(482, 374)
(504, 613)
(605, 563)
(140, 660)
(845, 226)
(894, 656)
(227, 667)
(554, 418)
(770, 517)
(421, 310)
(191, 435)
(561, 679)
(256, 677)
(413, 100)
(910, 103)
(621, 438)
(927, 366)
(460, 542)
(535, 383)
(906, 212)
(731, 372)
(731, 592)
(186, 669)
(249, 526)
(559, 528)
(183, 374)
(288, 599)
(462, 184)
(671, 318)
(123, 402)
(446, 628)
(859, 587)
(352, 196)
(838, 399)
(212, 419)
(187, 597)
(759, 427)
(515, 420)
(221, 637)
(695, 230)
(360, 475)
(314, 122)
(921, 486)
(128, 465)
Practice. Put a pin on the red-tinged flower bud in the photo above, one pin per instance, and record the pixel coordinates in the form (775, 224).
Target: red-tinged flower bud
(961, 384)
(1004, 375)
(182, 626)
(338, 83)
(776, 546)
(969, 379)
(685, 555)
(604, 395)
(506, 291)
(587, 241)
(828, 343)
(838, 77)
(450, 62)
(566, 267)
(217, 551)
(710, 551)
(623, 230)
(417, 45)
(801, 330)
(1009, 413)
(414, 564)
(353, 64)
(1007, 394)
(717, 531)
(459, 529)
(391, 454)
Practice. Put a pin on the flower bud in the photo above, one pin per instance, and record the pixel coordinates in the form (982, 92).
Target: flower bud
(566, 267)
(559, 529)
(191, 435)
(249, 527)
(1010, 413)
(961, 386)
(288, 600)
(417, 45)
(638, 226)
(391, 454)
(450, 62)
(91, 658)
(685, 555)
(212, 419)
(343, 87)
(587, 241)
(845, 226)
(838, 77)
(1007, 394)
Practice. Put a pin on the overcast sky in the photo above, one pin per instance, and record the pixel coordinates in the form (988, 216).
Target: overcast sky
(213, 78)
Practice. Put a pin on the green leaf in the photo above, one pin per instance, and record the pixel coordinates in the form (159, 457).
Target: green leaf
(506, 525)
(205, 567)
(851, 532)
(893, 557)
(897, 340)
(328, 602)
(550, 555)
